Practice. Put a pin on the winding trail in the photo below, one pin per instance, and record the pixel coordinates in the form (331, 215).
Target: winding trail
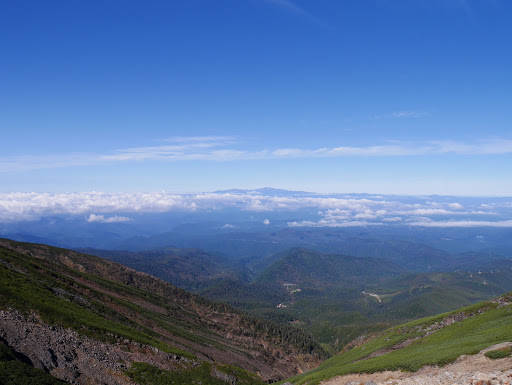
(373, 295)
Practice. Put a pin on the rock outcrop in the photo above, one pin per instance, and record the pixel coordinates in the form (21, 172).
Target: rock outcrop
(66, 355)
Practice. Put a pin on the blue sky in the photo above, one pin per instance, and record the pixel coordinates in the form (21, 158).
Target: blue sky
(396, 96)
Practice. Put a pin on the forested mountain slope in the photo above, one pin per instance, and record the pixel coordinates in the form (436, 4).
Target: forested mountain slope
(85, 319)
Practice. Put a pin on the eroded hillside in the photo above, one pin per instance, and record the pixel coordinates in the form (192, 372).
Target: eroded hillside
(80, 305)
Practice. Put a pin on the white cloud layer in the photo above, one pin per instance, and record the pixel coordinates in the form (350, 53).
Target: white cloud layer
(308, 210)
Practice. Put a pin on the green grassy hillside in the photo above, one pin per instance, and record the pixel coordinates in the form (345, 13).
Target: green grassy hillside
(435, 340)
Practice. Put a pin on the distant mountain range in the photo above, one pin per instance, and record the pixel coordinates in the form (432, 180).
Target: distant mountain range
(264, 191)
(259, 250)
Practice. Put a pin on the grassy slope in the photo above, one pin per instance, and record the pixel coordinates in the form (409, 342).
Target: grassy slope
(58, 285)
(484, 325)
(146, 374)
(33, 287)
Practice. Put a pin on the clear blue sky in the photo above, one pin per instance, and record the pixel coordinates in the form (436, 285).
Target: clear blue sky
(380, 96)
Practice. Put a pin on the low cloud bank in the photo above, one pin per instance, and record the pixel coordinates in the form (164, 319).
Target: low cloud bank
(335, 210)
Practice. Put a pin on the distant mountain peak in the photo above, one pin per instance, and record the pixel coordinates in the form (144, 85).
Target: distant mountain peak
(263, 191)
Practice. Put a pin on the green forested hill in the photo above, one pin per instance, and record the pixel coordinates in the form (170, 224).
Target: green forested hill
(338, 298)
(314, 269)
(189, 269)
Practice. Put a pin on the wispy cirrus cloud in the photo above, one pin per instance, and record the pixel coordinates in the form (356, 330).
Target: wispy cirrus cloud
(221, 149)
(410, 114)
(291, 6)
(183, 148)
(38, 162)
(436, 211)
(201, 139)
(324, 223)
(484, 147)
(296, 9)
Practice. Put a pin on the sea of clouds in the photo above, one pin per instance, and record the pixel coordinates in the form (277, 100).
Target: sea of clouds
(329, 210)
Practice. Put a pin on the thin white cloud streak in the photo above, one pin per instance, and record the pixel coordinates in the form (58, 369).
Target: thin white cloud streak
(324, 223)
(393, 219)
(214, 149)
(410, 114)
(203, 139)
(429, 211)
(33, 162)
(507, 223)
(496, 146)
(403, 114)
(185, 147)
(294, 8)
(288, 5)
(102, 219)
